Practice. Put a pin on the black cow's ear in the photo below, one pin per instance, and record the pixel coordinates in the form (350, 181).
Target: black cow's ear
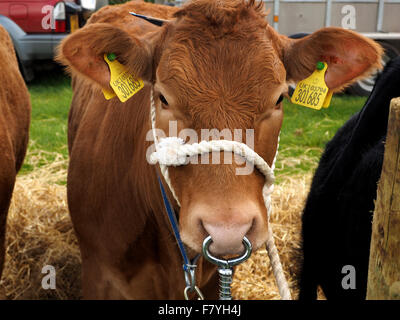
(155, 21)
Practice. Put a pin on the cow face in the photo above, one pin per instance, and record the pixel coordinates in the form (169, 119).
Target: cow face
(218, 65)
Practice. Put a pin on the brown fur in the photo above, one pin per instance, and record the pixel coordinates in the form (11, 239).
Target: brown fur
(219, 65)
(14, 128)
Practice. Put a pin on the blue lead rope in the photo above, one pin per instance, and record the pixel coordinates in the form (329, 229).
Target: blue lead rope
(174, 225)
(189, 267)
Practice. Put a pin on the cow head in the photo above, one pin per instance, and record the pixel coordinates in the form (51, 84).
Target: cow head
(219, 65)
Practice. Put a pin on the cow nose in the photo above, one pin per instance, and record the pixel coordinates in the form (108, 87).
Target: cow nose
(227, 239)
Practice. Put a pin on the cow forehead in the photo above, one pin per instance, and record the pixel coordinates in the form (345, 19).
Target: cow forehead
(221, 43)
(223, 35)
(220, 61)
(224, 60)
(235, 76)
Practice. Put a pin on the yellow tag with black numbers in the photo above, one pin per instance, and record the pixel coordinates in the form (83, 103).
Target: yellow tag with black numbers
(124, 84)
(108, 94)
(313, 92)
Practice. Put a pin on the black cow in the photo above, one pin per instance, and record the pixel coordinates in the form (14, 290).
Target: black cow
(337, 217)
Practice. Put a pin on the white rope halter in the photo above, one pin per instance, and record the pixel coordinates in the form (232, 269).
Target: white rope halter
(173, 151)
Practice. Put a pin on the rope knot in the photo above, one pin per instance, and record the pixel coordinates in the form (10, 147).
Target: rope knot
(168, 152)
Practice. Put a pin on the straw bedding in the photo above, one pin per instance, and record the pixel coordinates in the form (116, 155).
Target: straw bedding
(40, 233)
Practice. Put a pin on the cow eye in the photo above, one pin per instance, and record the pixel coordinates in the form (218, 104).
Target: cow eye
(280, 99)
(163, 100)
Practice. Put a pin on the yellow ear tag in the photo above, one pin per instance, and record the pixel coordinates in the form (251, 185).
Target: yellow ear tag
(328, 99)
(108, 94)
(313, 92)
(124, 84)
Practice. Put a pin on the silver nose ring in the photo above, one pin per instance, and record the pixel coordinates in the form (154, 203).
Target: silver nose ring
(230, 262)
(225, 269)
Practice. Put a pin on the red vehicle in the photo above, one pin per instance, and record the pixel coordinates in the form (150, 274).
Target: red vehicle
(37, 26)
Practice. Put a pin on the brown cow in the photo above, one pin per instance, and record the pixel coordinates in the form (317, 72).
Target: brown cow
(215, 64)
(15, 110)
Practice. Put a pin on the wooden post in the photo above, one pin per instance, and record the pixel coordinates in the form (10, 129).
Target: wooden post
(384, 260)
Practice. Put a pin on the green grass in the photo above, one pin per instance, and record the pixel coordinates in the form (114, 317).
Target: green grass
(50, 97)
(304, 132)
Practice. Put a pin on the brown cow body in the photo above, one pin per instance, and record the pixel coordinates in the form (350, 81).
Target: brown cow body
(15, 111)
(125, 204)
(139, 259)
(219, 65)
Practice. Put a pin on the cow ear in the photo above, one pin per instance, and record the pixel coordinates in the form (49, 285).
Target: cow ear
(349, 56)
(83, 52)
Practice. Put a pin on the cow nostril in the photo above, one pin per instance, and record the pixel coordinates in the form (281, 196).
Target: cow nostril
(227, 239)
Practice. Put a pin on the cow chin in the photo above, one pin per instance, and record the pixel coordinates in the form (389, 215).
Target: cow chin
(226, 224)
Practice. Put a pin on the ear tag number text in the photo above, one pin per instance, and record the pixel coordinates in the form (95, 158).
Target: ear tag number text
(124, 84)
(313, 92)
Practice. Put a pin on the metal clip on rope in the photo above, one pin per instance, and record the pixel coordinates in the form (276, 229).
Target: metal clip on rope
(190, 279)
(225, 269)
